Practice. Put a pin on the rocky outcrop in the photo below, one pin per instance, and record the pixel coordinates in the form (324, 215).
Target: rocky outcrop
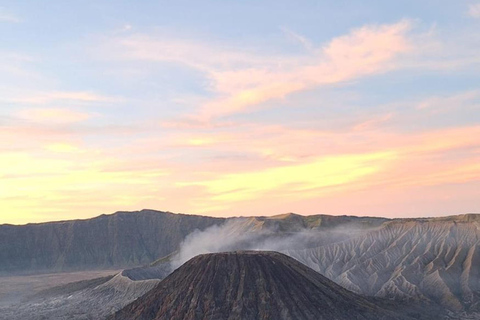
(250, 285)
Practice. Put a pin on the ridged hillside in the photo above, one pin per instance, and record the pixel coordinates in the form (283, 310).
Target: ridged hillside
(422, 259)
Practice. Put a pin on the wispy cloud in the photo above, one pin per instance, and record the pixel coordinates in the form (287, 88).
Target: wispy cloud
(193, 53)
(298, 38)
(62, 96)
(294, 179)
(6, 16)
(17, 65)
(53, 115)
(281, 164)
(242, 80)
(397, 161)
(469, 99)
(474, 10)
(365, 51)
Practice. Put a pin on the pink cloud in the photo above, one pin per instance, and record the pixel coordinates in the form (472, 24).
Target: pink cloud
(365, 51)
(474, 10)
(242, 80)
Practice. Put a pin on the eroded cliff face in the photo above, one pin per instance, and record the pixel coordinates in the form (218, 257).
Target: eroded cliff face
(122, 239)
(250, 285)
(418, 259)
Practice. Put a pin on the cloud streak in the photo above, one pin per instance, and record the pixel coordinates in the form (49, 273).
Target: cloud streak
(243, 81)
(62, 96)
(53, 115)
(296, 178)
(6, 16)
(51, 165)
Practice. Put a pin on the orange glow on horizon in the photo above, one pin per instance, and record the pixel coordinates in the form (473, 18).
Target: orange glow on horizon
(219, 124)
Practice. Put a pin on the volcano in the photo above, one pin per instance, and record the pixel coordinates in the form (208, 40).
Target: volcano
(251, 285)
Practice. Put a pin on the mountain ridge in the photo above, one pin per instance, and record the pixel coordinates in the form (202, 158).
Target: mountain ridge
(128, 239)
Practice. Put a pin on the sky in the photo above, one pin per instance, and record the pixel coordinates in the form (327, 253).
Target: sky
(228, 108)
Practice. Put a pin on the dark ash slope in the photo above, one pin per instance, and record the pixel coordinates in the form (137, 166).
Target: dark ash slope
(250, 285)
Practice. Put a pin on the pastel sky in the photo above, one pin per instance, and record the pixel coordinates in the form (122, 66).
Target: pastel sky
(230, 108)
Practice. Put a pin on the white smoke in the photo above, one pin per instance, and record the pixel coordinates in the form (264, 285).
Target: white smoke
(236, 234)
(213, 239)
